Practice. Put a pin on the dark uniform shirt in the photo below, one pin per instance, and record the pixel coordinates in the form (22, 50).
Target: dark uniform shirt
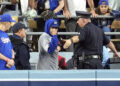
(91, 41)
(22, 54)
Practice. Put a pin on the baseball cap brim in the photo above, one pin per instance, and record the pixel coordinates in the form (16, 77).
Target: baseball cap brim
(56, 26)
(12, 21)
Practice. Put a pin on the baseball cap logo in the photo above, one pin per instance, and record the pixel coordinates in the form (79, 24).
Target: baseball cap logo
(55, 22)
(103, 3)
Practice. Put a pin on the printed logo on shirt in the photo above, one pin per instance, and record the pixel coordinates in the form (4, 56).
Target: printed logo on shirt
(5, 40)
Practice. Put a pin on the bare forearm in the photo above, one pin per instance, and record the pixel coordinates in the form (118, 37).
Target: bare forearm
(112, 47)
(31, 4)
(65, 7)
(13, 56)
(61, 5)
(91, 4)
(75, 39)
(3, 57)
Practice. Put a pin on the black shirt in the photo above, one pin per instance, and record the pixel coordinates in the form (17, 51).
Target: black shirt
(22, 54)
(91, 41)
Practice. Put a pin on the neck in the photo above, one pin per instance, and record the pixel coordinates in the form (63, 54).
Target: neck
(87, 21)
(18, 34)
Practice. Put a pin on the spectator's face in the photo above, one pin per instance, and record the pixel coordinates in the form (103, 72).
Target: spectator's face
(22, 33)
(81, 22)
(104, 9)
(53, 31)
(7, 25)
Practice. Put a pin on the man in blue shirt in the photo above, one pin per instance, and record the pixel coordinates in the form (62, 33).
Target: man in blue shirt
(56, 6)
(6, 49)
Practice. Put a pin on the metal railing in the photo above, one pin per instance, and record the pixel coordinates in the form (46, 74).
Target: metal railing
(63, 17)
(5, 3)
(67, 33)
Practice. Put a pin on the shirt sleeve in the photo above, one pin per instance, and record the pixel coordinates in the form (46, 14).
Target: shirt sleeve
(44, 43)
(82, 35)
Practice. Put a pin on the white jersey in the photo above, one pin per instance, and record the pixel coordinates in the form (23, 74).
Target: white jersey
(76, 5)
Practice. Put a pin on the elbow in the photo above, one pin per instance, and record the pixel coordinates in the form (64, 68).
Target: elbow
(109, 44)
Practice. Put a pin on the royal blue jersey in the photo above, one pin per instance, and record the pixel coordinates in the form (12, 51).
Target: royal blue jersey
(53, 5)
(5, 49)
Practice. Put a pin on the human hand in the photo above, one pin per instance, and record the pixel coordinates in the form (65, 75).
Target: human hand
(58, 48)
(67, 43)
(10, 63)
(67, 14)
(116, 55)
(94, 14)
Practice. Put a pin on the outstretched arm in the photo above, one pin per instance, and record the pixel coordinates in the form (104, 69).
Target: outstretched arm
(112, 47)
(68, 42)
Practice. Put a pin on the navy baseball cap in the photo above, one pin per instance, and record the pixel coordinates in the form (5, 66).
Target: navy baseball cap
(6, 18)
(103, 2)
(18, 26)
(83, 14)
(55, 24)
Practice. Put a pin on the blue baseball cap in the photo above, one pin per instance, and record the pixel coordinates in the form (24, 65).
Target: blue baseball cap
(103, 2)
(55, 24)
(6, 18)
(18, 26)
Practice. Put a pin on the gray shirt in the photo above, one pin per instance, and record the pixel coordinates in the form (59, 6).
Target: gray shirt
(46, 61)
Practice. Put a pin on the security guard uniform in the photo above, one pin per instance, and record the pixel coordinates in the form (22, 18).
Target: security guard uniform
(88, 51)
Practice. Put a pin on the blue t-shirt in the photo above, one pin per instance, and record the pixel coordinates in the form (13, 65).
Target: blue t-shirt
(5, 49)
(54, 4)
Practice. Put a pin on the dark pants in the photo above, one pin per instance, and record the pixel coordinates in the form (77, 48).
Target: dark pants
(93, 63)
(71, 26)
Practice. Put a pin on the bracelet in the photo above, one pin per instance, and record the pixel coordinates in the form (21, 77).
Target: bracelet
(7, 59)
(92, 8)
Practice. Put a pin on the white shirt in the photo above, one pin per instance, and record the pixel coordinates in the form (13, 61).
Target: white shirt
(114, 4)
(24, 6)
(76, 5)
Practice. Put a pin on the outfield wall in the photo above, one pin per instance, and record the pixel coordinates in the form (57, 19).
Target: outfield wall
(60, 78)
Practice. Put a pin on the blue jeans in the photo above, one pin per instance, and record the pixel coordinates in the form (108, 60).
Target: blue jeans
(105, 51)
(107, 29)
(105, 56)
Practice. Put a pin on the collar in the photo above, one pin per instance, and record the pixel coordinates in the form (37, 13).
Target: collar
(16, 36)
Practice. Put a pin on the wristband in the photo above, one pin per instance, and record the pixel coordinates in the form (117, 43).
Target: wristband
(92, 8)
(7, 59)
